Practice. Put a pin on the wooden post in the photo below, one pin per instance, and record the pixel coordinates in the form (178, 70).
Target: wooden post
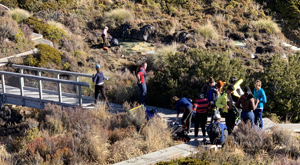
(40, 90)
(59, 89)
(77, 89)
(3, 88)
(21, 83)
(80, 96)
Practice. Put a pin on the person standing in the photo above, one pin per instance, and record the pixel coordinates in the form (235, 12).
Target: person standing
(226, 103)
(248, 106)
(200, 106)
(215, 109)
(141, 76)
(104, 36)
(260, 98)
(99, 84)
(187, 114)
(211, 84)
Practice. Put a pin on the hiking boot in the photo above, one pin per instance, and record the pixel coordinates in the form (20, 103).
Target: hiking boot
(186, 132)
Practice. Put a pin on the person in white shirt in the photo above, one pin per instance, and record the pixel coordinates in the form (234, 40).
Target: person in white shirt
(104, 36)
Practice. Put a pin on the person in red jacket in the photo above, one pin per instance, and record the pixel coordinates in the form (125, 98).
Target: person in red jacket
(200, 106)
(141, 76)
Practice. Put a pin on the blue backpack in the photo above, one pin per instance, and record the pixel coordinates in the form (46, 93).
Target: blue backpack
(151, 113)
(210, 95)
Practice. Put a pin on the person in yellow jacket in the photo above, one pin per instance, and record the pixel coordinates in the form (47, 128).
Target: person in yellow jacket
(226, 103)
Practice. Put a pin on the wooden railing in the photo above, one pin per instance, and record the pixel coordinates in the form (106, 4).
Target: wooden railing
(57, 72)
(40, 79)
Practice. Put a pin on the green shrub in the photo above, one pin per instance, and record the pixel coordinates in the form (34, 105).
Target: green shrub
(9, 3)
(19, 14)
(117, 17)
(49, 5)
(185, 161)
(49, 31)
(268, 25)
(31, 5)
(48, 54)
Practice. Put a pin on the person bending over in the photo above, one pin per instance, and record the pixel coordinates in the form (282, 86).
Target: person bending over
(187, 114)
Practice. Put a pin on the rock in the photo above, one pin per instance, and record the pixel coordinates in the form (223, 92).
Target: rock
(182, 36)
(237, 36)
(146, 33)
(125, 30)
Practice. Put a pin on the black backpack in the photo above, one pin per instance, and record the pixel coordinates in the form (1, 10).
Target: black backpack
(214, 132)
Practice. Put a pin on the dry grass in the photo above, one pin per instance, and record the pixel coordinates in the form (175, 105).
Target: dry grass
(268, 25)
(208, 31)
(85, 3)
(117, 17)
(60, 26)
(158, 136)
(4, 155)
(161, 55)
(19, 14)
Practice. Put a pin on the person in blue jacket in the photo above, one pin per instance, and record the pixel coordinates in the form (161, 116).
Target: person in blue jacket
(260, 97)
(99, 85)
(222, 140)
(187, 114)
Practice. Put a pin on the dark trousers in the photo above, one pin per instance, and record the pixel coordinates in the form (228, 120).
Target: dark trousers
(187, 118)
(104, 40)
(101, 89)
(230, 121)
(143, 92)
(258, 118)
(201, 118)
(248, 116)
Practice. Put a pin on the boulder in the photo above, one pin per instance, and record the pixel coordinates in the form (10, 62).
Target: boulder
(146, 33)
(182, 36)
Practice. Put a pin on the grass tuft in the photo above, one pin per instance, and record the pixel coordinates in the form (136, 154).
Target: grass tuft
(269, 26)
(208, 31)
(117, 17)
(19, 14)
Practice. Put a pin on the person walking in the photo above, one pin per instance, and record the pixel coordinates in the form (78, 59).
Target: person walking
(187, 113)
(104, 36)
(99, 85)
(200, 106)
(260, 98)
(225, 102)
(141, 76)
(217, 131)
(211, 84)
(247, 104)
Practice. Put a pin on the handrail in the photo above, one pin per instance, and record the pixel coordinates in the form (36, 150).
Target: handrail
(45, 78)
(40, 79)
(53, 71)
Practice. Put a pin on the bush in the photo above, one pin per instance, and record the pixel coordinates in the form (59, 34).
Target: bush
(30, 5)
(48, 55)
(269, 26)
(10, 3)
(117, 17)
(19, 14)
(8, 27)
(208, 31)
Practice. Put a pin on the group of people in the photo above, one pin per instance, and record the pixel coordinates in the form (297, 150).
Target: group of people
(212, 98)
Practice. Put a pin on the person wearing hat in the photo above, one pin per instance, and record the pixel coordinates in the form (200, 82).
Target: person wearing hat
(99, 84)
(222, 127)
(226, 103)
(104, 35)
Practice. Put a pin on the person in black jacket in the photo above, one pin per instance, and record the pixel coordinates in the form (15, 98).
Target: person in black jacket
(99, 85)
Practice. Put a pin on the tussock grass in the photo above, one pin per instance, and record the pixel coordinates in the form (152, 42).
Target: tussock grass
(268, 25)
(208, 31)
(4, 155)
(19, 14)
(60, 26)
(116, 17)
(161, 55)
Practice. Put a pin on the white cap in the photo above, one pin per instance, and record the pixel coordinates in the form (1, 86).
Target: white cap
(106, 27)
(217, 116)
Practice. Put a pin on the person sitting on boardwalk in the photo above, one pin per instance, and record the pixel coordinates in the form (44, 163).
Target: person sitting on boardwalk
(217, 131)
(248, 106)
(141, 76)
(187, 114)
(99, 84)
(200, 106)
(260, 98)
(225, 102)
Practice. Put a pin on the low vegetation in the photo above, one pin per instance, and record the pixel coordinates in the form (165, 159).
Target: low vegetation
(19, 14)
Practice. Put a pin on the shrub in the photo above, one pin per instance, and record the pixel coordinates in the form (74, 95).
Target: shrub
(49, 5)
(19, 14)
(8, 27)
(117, 17)
(269, 26)
(5, 157)
(48, 54)
(208, 31)
(10, 3)
(31, 5)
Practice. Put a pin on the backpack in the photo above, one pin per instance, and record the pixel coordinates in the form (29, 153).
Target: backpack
(210, 95)
(151, 113)
(214, 132)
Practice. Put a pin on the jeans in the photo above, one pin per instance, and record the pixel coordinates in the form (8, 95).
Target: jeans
(187, 118)
(143, 92)
(248, 116)
(258, 118)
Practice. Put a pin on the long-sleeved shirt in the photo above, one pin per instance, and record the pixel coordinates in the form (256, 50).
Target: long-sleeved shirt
(222, 102)
(98, 78)
(142, 73)
(201, 105)
(206, 88)
(183, 102)
(260, 94)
